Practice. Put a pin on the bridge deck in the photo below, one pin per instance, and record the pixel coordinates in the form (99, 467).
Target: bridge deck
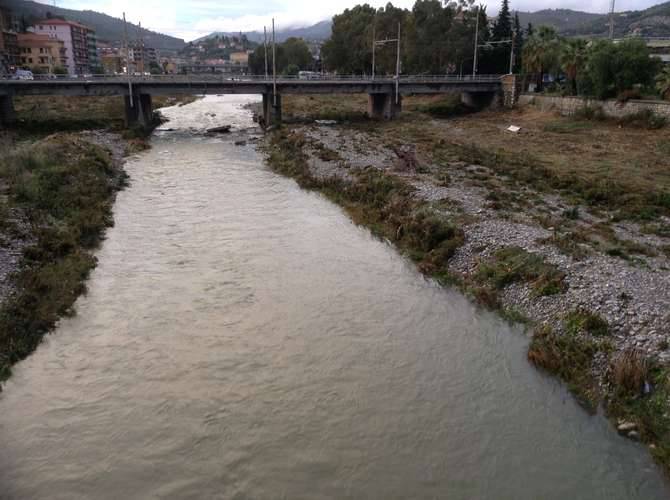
(196, 84)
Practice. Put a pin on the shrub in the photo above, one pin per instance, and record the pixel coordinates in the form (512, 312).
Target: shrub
(583, 321)
(513, 264)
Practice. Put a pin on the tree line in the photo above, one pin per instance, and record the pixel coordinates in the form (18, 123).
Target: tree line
(439, 38)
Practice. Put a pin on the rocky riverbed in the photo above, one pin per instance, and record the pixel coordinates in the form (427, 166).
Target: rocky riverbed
(623, 276)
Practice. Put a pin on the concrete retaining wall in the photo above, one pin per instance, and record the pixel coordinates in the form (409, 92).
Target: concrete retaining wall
(569, 105)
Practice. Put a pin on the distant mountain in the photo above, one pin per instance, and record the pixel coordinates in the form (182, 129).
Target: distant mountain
(561, 19)
(316, 32)
(651, 22)
(107, 28)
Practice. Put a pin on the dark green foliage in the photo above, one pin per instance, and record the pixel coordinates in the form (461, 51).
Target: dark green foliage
(292, 55)
(66, 186)
(613, 68)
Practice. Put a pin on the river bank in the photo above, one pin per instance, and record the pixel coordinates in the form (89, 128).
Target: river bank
(572, 243)
(58, 182)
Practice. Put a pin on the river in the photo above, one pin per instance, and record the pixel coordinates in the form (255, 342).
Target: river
(241, 338)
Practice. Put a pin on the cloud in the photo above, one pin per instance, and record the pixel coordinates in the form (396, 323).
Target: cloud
(194, 18)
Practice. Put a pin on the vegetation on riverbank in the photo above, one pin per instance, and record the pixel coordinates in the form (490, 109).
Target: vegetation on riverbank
(38, 115)
(65, 186)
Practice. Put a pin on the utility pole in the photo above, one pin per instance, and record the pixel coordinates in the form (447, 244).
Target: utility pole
(511, 54)
(397, 70)
(125, 45)
(265, 50)
(474, 63)
(140, 45)
(374, 43)
(612, 2)
(274, 65)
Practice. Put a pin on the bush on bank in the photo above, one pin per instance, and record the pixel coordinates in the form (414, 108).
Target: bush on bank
(66, 187)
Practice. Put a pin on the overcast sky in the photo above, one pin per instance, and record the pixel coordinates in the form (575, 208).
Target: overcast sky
(191, 19)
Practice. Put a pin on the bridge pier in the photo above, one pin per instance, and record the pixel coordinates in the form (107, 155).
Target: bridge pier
(7, 113)
(383, 106)
(271, 111)
(141, 112)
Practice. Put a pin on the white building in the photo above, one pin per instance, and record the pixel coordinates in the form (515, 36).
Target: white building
(75, 38)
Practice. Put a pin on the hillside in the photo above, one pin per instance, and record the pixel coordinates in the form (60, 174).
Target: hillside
(107, 28)
(654, 21)
(561, 19)
(318, 31)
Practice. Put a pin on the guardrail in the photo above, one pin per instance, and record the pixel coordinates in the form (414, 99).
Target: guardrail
(225, 78)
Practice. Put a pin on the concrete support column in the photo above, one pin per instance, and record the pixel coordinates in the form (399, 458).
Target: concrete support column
(383, 106)
(7, 113)
(141, 112)
(145, 110)
(131, 111)
(271, 111)
(511, 88)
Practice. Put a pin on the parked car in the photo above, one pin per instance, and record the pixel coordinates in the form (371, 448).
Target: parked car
(23, 74)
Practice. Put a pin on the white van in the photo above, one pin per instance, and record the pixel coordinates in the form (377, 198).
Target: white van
(23, 74)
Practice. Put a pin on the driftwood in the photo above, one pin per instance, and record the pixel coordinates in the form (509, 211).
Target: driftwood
(223, 129)
(407, 158)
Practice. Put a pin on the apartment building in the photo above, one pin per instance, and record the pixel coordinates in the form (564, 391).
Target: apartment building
(9, 49)
(77, 42)
(41, 52)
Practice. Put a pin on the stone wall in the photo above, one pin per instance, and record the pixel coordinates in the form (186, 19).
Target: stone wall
(569, 105)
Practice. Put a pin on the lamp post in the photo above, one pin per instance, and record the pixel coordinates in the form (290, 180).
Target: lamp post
(474, 63)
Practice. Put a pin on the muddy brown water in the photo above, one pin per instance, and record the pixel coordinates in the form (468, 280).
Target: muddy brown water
(241, 338)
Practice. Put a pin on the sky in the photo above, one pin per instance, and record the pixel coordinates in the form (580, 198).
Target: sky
(190, 19)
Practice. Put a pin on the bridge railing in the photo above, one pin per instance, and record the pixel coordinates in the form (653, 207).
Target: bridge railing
(224, 78)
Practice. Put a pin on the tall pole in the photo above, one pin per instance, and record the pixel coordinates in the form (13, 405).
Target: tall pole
(265, 51)
(397, 70)
(612, 2)
(274, 65)
(140, 46)
(374, 42)
(125, 45)
(511, 55)
(474, 62)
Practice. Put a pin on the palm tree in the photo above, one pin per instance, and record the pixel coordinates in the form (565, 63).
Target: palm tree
(540, 53)
(663, 83)
(573, 58)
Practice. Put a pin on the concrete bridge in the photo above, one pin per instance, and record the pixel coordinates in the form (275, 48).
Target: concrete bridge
(385, 94)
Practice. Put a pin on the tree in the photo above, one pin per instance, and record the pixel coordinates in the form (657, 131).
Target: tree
(349, 48)
(155, 68)
(502, 27)
(663, 83)
(518, 43)
(541, 53)
(573, 59)
(295, 52)
(613, 68)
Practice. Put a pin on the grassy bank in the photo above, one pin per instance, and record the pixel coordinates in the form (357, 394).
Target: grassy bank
(65, 186)
(48, 114)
